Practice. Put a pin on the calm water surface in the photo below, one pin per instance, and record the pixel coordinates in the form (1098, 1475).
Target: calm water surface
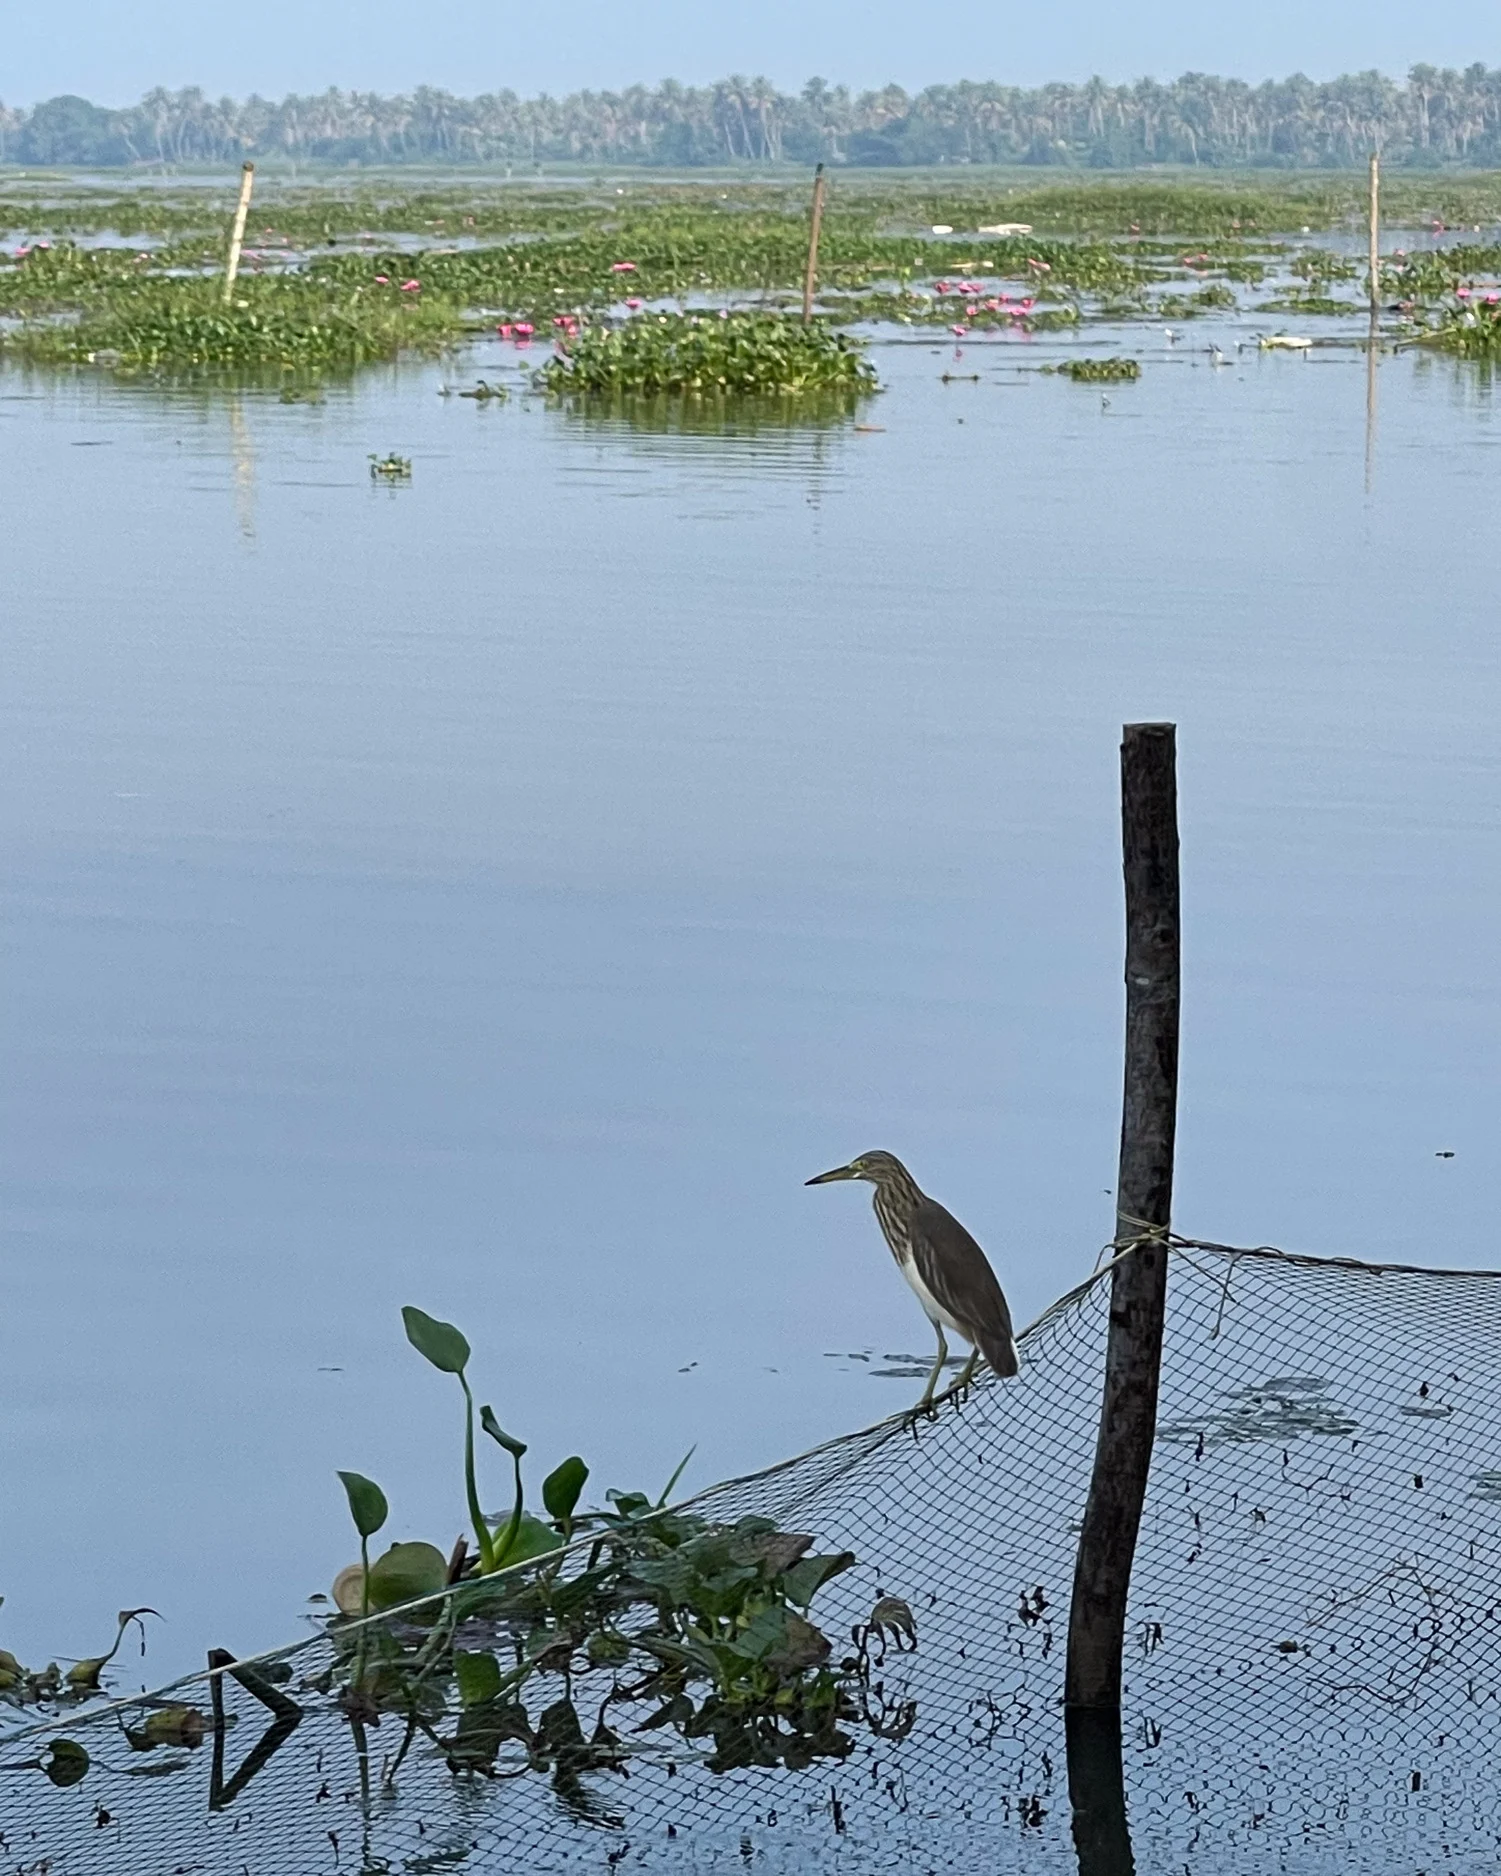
(501, 892)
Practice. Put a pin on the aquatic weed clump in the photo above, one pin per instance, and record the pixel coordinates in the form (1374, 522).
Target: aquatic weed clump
(279, 322)
(1101, 370)
(709, 355)
(1471, 327)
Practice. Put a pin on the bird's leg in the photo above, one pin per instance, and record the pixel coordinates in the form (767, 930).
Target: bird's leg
(943, 1355)
(967, 1372)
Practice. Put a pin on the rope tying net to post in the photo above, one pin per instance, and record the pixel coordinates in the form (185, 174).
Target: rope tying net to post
(1314, 1646)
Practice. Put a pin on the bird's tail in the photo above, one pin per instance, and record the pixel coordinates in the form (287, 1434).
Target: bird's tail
(1000, 1352)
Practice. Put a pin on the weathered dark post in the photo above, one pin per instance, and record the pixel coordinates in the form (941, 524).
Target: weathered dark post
(1144, 1197)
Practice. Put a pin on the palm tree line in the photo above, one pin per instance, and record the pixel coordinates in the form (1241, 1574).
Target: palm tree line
(1434, 117)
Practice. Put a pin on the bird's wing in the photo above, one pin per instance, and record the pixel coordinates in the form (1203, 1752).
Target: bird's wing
(957, 1274)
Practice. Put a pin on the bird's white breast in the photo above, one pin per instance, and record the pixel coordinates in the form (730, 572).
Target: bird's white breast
(932, 1308)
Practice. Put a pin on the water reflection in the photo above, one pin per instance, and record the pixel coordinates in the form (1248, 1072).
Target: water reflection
(1097, 1793)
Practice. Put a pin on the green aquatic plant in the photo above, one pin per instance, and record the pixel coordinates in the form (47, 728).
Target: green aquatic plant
(1100, 370)
(708, 354)
(670, 1619)
(1470, 327)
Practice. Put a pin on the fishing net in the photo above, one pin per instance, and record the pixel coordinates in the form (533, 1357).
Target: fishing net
(1312, 1676)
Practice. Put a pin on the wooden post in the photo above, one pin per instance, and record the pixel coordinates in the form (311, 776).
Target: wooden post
(247, 180)
(812, 273)
(1375, 234)
(1144, 1196)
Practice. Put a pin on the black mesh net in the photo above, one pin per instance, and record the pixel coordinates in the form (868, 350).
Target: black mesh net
(1313, 1669)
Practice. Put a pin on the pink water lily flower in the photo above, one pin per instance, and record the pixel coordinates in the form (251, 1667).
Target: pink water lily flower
(411, 286)
(524, 329)
(504, 331)
(943, 286)
(622, 267)
(1461, 293)
(383, 280)
(635, 305)
(958, 331)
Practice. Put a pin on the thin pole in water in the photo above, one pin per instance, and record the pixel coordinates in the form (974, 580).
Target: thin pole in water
(1144, 1197)
(236, 239)
(1375, 232)
(812, 273)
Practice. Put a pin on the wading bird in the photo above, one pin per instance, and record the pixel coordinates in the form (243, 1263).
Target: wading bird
(946, 1268)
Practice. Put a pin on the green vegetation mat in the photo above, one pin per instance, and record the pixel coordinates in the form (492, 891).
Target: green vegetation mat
(336, 276)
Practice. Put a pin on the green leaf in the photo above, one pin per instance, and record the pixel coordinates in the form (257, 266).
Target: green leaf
(440, 1342)
(532, 1538)
(671, 1486)
(67, 1762)
(367, 1503)
(498, 1433)
(404, 1573)
(562, 1486)
(478, 1677)
(804, 1580)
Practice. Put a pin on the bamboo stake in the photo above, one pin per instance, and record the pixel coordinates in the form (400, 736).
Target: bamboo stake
(247, 180)
(1143, 1197)
(812, 274)
(1375, 254)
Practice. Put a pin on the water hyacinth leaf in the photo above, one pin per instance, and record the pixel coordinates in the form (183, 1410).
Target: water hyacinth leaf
(562, 1486)
(367, 1503)
(406, 1572)
(439, 1342)
(478, 1677)
(804, 1580)
(348, 1591)
(497, 1433)
(531, 1538)
(66, 1762)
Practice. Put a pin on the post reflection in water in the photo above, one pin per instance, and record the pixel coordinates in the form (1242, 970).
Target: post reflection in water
(1372, 353)
(1097, 1792)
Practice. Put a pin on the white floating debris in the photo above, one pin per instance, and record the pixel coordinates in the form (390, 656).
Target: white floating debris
(1283, 342)
(941, 227)
(1005, 227)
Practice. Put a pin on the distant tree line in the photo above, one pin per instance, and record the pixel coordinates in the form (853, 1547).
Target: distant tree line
(1435, 117)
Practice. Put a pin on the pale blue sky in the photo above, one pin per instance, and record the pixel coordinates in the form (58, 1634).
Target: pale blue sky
(113, 52)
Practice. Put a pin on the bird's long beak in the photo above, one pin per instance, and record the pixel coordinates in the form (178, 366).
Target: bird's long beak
(839, 1172)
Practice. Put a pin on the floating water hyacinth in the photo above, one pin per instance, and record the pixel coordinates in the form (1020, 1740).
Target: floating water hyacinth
(728, 354)
(1100, 370)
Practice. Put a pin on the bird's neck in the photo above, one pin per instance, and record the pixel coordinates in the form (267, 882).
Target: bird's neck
(896, 1198)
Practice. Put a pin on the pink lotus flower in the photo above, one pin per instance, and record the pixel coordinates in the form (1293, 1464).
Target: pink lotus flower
(504, 331)
(622, 267)
(943, 286)
(635, 305)
(1492, 299)
(1461, 293)
(411, 286)
(383, 280)
(1026, 304)
(958, 331)
(524, 329)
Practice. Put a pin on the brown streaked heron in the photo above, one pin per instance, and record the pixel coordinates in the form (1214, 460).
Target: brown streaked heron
(947, 1270)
